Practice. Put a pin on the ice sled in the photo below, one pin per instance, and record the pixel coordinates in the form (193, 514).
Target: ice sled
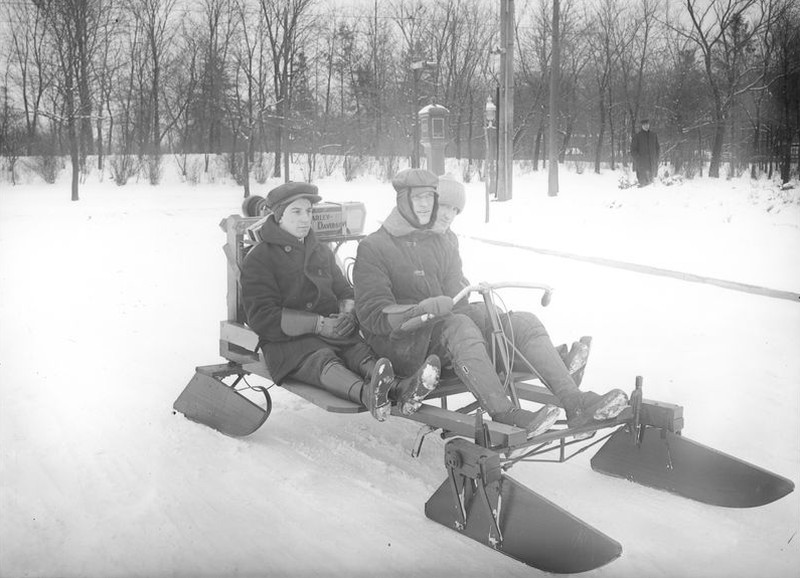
(478, 498)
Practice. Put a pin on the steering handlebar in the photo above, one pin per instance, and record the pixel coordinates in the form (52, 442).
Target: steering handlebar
(485, 287)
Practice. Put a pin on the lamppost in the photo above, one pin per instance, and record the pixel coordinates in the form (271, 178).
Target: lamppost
(490, 114)
(417, 67)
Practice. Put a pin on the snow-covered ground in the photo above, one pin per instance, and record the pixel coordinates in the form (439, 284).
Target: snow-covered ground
(108, 304)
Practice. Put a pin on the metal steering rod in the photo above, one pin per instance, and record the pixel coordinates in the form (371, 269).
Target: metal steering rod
(486, 287)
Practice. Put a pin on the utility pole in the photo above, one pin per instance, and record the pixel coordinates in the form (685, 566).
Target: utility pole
(505, 130)
(555, 75)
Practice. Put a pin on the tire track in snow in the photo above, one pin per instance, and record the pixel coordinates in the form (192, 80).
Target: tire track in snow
(649, 270)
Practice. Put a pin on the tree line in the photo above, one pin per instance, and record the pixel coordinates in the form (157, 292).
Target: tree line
(260, 80)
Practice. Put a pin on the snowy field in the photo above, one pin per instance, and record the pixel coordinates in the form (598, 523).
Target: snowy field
(108, 304)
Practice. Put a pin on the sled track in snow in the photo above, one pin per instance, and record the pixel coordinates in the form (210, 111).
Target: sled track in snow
(646, 269)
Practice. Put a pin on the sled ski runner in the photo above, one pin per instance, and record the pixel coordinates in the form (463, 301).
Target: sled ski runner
(478, 498)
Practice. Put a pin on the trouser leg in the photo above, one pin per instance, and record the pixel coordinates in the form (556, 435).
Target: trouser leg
(641, 176)
(457, 339)
(326, 370)
(533, 341)
(360, 359)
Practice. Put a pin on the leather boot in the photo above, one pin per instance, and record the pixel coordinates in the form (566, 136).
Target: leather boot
(409, 392)
(335, 378)
(374, 395)
(534, 343)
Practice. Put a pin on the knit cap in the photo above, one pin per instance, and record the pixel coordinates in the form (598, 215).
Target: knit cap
(451, 192)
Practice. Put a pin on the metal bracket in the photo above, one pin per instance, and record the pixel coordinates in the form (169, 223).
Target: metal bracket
(475, 471)
(421, 434)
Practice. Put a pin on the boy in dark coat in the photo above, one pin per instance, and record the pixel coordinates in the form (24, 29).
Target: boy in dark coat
(299, 303)
(410, 270)
(645, 152)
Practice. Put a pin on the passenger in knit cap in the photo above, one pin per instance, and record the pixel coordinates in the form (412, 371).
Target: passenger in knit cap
(452, 199)
(416, 197)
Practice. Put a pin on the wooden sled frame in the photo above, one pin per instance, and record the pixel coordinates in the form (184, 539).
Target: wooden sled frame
(238, 345)
(643, 444)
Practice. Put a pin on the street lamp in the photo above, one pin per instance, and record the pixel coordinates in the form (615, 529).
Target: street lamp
(417, 68)
(490, 116)
(491, 112)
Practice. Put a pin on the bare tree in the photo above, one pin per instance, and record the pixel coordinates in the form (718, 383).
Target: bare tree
(604, 58)
(461, 47)
(153, 18)
(72, 26)
(29, 63)
(286, 30)
(722, 31)
(634, 47)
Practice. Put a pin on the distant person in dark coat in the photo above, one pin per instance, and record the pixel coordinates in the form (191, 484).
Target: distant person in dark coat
(645, 152)
(301, 306)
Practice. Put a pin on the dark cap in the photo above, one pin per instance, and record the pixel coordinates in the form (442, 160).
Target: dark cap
(644, 121)
(415, 179)
(288, 192)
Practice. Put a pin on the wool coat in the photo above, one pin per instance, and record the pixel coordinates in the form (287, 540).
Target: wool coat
(401, 265)
(284, 272)
(645, 151)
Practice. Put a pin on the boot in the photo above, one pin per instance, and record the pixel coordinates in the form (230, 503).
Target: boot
(534, 343)
(576, 359)
(375, 394)
(408, 393)
(335, 378)
(535, 423)
(587, 406)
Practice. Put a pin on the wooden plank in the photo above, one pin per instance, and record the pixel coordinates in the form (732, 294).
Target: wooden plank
(257, 368)
(322, 398)
(464, 425)
(238, 334)
(236, 354)
(662, 414)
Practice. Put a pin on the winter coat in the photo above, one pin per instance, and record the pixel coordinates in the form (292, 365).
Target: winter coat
(400, 264)
(283, 271)
(645, 151)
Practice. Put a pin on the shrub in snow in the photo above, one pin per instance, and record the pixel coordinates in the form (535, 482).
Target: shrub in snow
(626, 181)
(123, 167)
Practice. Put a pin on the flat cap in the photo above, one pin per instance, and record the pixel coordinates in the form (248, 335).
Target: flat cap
(415, 178)
(644, 121)
(288, 192)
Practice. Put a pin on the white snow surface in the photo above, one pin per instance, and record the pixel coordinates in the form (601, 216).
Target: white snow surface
(108, 304)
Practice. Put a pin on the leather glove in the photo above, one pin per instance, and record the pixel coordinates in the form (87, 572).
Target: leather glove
(336, 326)
(345, 324)
(326, 327)
(440, 305)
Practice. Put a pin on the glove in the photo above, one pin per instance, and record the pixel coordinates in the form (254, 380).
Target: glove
(441, 305)
(336, 326)
(326, 327)
(345, 324)
(295, 322)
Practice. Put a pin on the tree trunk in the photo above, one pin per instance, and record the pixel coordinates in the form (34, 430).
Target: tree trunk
(599, 148)
(716, 148)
